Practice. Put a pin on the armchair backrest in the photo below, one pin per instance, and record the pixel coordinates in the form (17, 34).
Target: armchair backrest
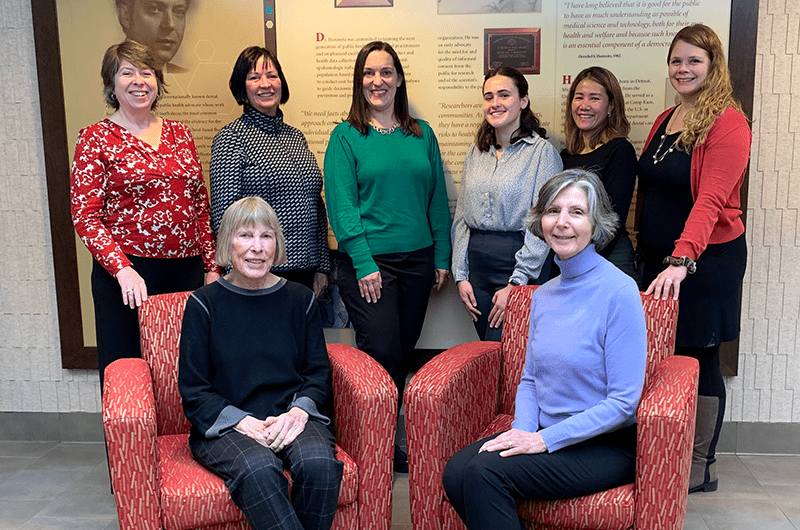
(661, 317)
(160, 320)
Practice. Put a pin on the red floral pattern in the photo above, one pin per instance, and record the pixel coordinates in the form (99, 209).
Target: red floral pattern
(128, 197)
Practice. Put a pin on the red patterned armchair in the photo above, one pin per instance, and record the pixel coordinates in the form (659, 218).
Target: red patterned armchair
(468, 392)
(157, 484)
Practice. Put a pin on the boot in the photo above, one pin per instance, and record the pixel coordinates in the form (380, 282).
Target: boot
(704, 475)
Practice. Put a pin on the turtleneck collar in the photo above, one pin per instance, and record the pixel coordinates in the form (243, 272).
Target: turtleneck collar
(270, 124)
(581, 263)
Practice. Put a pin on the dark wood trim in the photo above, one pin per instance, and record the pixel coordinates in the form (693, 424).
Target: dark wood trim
(74, 353)
(742, 63)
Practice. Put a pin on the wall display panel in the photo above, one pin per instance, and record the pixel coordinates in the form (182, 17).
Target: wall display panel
(443, 44)
(445, 54)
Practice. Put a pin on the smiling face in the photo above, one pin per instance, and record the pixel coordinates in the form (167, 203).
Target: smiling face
(135, 88)
(158, 24)
(263, 87)
(380, 81)
(502, 104)
(590, 107)
(688, 68)
(566, 225)
(252, 256)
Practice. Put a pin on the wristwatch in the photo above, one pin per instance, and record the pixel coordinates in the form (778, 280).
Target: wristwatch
(687, 262)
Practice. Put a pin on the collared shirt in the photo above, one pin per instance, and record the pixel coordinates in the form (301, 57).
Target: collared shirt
(496, 195)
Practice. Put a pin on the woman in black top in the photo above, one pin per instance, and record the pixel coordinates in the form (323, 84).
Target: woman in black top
(596, 139)
(254, 378)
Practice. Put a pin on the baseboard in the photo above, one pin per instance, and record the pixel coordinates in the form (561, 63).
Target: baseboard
(51, 426)
(736, 437)
(746, 438)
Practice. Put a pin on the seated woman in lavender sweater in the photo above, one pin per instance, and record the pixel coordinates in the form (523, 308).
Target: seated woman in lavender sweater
(574, 432)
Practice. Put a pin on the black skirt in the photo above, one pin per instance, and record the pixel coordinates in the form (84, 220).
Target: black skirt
(709, 309)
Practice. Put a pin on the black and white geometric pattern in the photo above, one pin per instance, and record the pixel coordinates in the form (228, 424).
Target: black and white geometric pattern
(259, 155)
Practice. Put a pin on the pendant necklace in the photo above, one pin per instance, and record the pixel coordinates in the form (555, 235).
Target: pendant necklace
(656, 157)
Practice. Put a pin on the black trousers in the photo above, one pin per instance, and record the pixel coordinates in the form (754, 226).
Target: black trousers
(492, 259)
(388, 330)
(484, 487)
(117, 325)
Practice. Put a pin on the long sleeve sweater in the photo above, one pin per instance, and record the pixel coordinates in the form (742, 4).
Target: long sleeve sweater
(497, 194)
(586, 353)
(251, 352)
(127, 197)
(386, 193)
(260, 155)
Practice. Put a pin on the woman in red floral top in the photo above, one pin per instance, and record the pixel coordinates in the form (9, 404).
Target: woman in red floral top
(138, 202)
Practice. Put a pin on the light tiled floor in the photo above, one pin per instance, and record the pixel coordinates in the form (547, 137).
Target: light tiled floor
(65, 486)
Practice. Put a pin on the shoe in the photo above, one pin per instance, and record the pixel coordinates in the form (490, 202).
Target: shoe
(400, 460)
(703, 475)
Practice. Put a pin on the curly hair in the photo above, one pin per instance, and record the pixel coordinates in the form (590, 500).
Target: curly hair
(528, 122)
(716, 91)
(359, 115)
(615, 126)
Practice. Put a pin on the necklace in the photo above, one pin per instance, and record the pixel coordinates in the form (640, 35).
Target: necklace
(383, 130)
(656, 157)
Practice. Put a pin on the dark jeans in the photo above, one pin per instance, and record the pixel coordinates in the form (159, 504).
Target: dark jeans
(254, 476)
(388, 330)
(117, 325)
(484, 487)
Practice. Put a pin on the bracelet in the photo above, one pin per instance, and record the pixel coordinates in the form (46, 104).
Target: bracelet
(685, 261)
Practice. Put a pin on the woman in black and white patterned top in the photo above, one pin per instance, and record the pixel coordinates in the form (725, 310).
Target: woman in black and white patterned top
(259, 155)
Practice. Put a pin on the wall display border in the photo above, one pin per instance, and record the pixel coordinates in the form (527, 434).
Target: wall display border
(74, 351)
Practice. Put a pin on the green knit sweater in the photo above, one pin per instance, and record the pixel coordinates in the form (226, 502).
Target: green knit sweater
(386, 193)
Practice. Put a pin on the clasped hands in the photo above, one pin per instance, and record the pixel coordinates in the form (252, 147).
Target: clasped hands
(516, 442)
(274, 432)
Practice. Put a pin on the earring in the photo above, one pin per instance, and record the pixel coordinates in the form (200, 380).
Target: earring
(113, 96)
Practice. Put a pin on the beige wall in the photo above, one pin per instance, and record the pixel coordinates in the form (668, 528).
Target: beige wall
(31, 377)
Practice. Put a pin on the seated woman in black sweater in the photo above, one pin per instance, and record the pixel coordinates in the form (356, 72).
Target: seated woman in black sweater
(255, 377)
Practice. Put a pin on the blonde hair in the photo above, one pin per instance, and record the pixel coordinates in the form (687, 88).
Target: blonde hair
(716, 91)
(248, 211)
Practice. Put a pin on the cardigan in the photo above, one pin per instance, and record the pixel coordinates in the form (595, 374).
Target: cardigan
(386, 194)
(127, 197)
(251, 352)
(615, 163)
(496, 195)
(259, 155)
(586, 354)
(717, 173)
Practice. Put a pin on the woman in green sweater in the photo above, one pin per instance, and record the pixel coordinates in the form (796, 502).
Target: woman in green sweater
(387, 204)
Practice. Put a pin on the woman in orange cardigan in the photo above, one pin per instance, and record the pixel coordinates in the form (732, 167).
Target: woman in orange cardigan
(691, 235)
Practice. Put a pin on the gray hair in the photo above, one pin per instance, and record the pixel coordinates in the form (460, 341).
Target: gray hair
(602, 216)
(248, 211)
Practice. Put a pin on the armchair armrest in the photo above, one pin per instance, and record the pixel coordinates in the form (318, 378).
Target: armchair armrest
(365, 403)
(462, 382)
(129, 422)
(666, 418)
